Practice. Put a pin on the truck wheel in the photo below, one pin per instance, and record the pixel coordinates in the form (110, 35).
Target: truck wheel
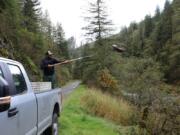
(53, 129)
(55, 125)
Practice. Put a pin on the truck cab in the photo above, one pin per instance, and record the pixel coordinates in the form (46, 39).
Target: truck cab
(23, 111)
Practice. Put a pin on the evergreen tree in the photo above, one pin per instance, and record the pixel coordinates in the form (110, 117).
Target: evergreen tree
(60, 35)
(157, 14)
(46, 25)
(31, 13)
(10, 17)
(173, 49)
(167, 22)
(163, 31)
(99, 26)
(132, 39)
(71, 46)
(176, 22)
(148, 26)
(3, 5)
(59, 39)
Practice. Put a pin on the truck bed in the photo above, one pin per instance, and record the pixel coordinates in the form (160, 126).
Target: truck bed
(41, 86)
(45, 103)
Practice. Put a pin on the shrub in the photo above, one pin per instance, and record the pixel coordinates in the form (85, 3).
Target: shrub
(164, 118)
(140, 77)
(106, 81)
(106, 106)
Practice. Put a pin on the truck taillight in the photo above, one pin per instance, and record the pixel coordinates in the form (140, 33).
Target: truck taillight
(61, 97)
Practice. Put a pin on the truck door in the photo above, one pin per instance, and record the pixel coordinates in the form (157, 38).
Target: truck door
(8, 119)
(24, 102)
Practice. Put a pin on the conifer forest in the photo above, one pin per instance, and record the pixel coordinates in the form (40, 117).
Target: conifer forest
(140, 64)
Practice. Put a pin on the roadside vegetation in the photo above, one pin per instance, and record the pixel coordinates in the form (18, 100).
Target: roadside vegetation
(76, 119)
(106, 106)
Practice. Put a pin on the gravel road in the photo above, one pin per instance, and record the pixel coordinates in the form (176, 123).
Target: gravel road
(70, 87)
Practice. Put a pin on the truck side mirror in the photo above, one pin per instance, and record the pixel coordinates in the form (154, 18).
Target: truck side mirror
(5, 99)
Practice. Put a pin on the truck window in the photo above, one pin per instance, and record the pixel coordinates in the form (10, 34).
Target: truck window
(18, 79)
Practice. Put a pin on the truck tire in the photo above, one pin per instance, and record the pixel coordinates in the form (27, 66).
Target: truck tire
(53, 129)
(55, 125)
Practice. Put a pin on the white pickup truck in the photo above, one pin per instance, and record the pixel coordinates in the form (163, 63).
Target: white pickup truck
(22, 110)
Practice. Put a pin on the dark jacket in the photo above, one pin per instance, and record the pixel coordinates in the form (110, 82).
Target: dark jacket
(48, 71)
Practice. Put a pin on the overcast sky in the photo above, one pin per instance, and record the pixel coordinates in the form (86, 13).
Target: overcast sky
(69, 13)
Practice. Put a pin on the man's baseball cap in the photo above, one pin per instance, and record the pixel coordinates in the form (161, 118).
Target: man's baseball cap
(49, 53)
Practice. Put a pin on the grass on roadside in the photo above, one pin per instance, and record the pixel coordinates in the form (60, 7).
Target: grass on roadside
(75, 121)
(104, 105)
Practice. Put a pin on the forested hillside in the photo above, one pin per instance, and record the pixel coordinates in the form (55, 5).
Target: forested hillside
(26, 33)
(155, 40)
(157, 37)
(146, 75)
